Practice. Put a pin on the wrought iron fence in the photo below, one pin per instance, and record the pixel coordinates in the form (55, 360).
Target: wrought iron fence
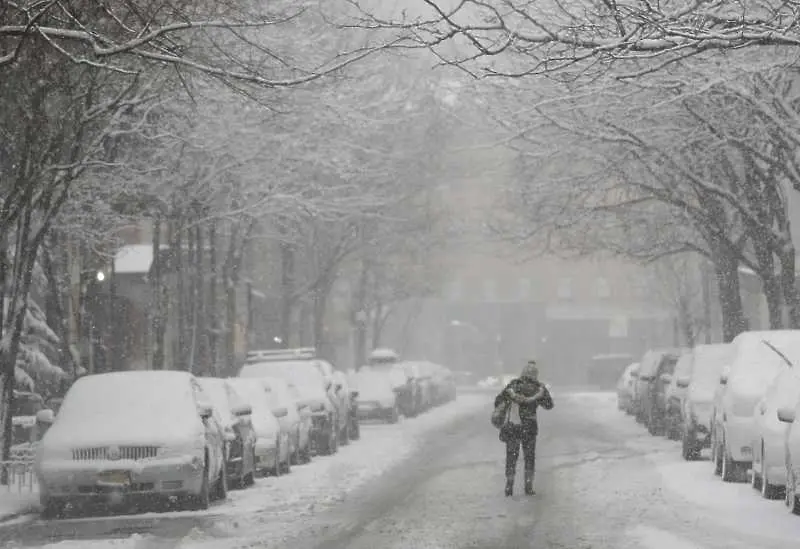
(16, 475)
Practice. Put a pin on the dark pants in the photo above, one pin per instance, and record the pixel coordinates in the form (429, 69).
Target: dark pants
(524, 436)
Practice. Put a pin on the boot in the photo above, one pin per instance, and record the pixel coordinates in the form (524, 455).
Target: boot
(529, 485)
(509, 486)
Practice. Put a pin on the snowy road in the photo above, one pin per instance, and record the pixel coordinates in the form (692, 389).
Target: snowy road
(436, 483)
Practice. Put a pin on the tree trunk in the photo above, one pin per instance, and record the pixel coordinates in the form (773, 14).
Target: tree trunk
(320, 297)
(730, 298)
(113, 359)
(22, 276)
(199, 330)
(231, 282)
(287, 292)
(770, 285)
(789, 285)
(57, 296)
(213, 321)
(180, 297)
(158, 320)
(359, 319)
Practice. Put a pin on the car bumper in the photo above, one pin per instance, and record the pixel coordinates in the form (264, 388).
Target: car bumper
(373, 412)
(76, 480)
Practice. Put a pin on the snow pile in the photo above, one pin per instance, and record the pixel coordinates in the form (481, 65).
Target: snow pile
(16, 500)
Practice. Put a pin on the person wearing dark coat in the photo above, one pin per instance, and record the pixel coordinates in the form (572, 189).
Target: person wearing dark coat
(523, 396)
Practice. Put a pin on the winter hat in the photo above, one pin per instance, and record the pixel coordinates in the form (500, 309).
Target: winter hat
(531, 371)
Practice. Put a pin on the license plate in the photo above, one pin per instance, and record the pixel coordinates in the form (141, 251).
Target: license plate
(115, 478)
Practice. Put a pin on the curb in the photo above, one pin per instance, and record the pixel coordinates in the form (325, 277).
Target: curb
(8, 517)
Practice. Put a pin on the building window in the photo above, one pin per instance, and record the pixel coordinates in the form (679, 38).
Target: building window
(603, 288)
(565, 288)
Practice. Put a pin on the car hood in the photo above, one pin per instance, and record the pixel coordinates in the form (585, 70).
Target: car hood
(103, 432)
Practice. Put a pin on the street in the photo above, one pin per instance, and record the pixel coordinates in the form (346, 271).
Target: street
(602, 482)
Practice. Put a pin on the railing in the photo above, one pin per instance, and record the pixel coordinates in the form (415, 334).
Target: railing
(16, 475)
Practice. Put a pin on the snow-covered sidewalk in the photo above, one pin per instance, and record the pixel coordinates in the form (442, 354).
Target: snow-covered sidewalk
(277, 508)
(15, 502)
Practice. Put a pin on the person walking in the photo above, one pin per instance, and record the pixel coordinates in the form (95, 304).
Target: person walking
(519, 401)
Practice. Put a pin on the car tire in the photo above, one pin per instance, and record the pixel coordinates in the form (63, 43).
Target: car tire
(202, 500)
(756, 480)
(249, 478)
(295, 456)
(344, 436)
(52, 509)
(276, 467)
(791, 499)
(355, 432)
(221, 486)
(287, 466)
(335, 438)
(768, 490)
(730, 468)
(688, 445)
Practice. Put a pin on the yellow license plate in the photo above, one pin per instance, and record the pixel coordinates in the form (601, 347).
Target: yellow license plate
(120, 478)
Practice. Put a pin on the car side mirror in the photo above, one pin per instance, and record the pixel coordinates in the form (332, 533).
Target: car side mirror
(205, 410)
(723, 379)
(280, 412)
(354, 394)
(786, 415)
(46, 416)
(339, 387)
(243, 410)
(683, 381)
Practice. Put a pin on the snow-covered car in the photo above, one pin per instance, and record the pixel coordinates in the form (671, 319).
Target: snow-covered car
(132, 435)
(272, 444)
(769, 443)
(674, 394)
(753, 367)
(625, 388)
(376, 397)
(280, 397)
(306, 421)
(308, 379)
(233, 413)
(697, 406)
(655, 371)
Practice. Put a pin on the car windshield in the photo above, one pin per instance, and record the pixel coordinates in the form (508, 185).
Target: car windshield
(216, 391)
(299, 372)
